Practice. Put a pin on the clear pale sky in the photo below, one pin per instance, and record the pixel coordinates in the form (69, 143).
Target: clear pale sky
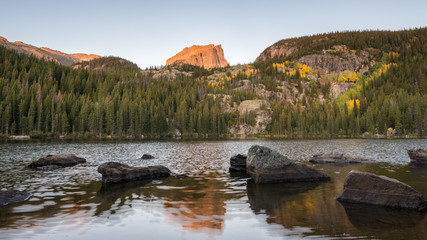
(149, 32)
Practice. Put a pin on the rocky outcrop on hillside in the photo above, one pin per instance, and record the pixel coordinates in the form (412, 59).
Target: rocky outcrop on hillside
(47, 53)
(339, 89)
(167, 74)
(207, 56)
(262, 113)
(346, 61)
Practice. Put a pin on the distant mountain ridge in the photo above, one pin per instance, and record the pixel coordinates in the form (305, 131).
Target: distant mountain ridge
(47, 53)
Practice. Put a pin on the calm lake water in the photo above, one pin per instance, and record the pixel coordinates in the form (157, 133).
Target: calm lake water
(71, 203)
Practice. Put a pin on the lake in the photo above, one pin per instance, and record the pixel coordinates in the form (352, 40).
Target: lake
(71, 203)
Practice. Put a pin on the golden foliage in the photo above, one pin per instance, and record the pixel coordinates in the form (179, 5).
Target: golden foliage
(348, 76)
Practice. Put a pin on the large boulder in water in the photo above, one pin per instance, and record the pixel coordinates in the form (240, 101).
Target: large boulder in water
(60, 160)
(338, 158)
(265, 165)
(368, 188)
(418, 156)
(114, 172)
(238, 163)
(13, 196)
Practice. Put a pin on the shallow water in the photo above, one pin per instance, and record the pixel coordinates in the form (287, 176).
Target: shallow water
(209, 204)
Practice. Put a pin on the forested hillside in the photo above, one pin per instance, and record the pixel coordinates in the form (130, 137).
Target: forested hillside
(331, 85)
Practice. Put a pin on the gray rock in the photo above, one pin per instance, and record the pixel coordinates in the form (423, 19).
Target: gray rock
(265, 165)
(13, 196)
(61, 160)
(114, 172)
(368, 188)
(338, 158)
(147, 156)
(418, 156)
(238, 163)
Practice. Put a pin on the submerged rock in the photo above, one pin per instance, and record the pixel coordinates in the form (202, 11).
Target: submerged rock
(13, 196)
(147, 156)
(61, 160)
(48, 167)
(238, 163)
(368, 188)
(114, 172)
(265, 165)
(418, 156)
(338, 158)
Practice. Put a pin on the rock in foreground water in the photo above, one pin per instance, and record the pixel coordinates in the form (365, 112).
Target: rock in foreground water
(114, 172)
(338, 158)
(13, 196)
(368, 188)
(147, 156)
(265, 166)
(60, 160)
(418, 156)
(238, 163)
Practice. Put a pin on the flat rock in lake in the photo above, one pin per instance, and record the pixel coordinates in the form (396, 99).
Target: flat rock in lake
(265, 166)
(418, 156)
(13, 196)
(339, 158)
(60, 160)
(238, 163)
(368, 188)
(114, 172)
(147, 156)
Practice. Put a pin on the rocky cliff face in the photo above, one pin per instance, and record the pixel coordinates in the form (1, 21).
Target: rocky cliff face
(334, 63)
(276, 50)
(208, 56)
(47, 53)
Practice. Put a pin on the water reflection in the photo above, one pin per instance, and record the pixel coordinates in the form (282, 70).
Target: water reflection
(376, 219)
(210, 204)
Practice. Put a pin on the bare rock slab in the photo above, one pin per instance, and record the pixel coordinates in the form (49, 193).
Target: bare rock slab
(114, 172)
(60, 160)
(13, 196)
(266, 166)
(238, 163)
(418, 156)
(339, 158)
(368, 188)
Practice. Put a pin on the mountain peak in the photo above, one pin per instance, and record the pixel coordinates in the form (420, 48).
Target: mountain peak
(207, 56)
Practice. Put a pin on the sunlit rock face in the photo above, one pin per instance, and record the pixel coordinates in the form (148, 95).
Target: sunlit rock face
(207, 56)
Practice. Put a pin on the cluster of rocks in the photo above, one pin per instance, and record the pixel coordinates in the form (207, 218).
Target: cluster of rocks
(267, 166)
(112, 172)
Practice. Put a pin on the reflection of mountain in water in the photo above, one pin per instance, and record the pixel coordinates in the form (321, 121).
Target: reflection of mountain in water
(196, 205)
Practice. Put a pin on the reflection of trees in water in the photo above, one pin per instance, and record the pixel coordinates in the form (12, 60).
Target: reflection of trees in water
(42, 210)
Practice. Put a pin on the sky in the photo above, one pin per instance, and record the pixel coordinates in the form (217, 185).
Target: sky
(149, 32)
